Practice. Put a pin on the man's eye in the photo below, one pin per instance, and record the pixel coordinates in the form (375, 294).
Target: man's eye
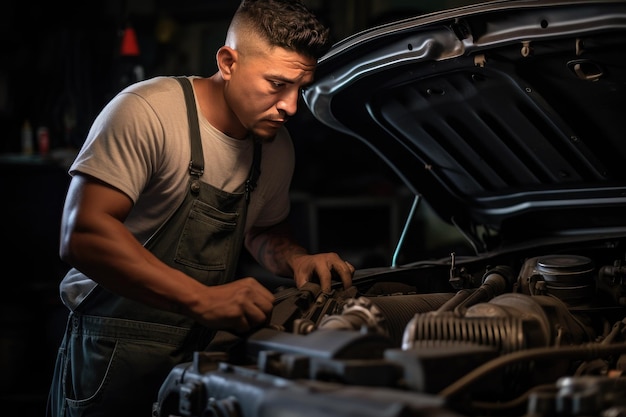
(277, 84)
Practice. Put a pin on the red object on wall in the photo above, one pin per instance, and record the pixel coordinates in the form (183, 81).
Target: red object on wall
(130, 46)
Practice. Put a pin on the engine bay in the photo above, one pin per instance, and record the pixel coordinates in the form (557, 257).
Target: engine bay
(510, 335)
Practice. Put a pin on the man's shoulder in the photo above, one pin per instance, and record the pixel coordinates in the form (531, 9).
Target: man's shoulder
(153, 86)
(162, 95)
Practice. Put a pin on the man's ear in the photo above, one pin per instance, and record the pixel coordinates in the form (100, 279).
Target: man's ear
(226, 58)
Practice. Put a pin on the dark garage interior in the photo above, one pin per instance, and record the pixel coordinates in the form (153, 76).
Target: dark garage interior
(61, 62)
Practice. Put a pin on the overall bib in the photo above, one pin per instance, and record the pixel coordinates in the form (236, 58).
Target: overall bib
(116, 352)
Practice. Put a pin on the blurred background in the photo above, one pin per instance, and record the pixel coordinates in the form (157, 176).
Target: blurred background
(61, 61)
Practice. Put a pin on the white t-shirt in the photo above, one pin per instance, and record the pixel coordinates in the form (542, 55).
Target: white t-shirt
(140, 145)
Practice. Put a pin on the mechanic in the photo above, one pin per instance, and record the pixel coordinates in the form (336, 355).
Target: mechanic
(176, 175)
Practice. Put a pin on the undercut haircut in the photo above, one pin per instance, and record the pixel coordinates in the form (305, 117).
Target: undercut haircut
(288, 24)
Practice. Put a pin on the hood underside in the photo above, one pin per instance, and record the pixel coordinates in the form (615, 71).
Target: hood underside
(505, 116)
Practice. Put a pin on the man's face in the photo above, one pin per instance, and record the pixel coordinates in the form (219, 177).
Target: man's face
(264, 89)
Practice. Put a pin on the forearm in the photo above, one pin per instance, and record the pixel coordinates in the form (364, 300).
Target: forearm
(107, 253)
(137, 274)
(274, 248)
(95, 241)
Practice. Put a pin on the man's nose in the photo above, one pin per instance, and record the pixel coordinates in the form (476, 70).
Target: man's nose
(288, 102)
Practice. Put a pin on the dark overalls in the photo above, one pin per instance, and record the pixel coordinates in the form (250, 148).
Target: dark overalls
(116, 353)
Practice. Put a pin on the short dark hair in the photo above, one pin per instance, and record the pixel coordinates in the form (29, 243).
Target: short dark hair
(286, 23)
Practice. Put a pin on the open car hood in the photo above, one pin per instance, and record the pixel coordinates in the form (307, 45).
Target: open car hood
(508, 117)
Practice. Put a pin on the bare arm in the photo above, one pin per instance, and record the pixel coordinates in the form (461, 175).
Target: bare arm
(277, 251)
(95, 241)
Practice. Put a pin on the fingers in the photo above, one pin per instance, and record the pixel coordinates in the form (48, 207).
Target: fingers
(251, 317)
(345, 271)
(257, 303)
(347, 274)
(325, 267)
(238, 306)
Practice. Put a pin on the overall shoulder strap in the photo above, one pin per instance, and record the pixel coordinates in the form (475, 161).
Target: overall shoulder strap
(255, 170)
(196, 165)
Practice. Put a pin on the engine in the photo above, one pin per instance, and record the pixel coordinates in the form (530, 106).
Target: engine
(546, 337)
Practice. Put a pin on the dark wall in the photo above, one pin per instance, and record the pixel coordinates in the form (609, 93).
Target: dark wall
(31, 314)
(61, 60)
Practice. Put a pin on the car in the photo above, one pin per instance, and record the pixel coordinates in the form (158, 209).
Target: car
(508, 119)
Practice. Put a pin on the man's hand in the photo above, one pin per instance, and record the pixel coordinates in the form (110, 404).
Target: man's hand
(323, 267)
(275, 249)
(238, 306)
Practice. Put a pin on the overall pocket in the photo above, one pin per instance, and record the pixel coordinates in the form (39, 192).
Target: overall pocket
(207, 235)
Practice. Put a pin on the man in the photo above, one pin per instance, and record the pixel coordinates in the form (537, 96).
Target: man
(161, 201)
